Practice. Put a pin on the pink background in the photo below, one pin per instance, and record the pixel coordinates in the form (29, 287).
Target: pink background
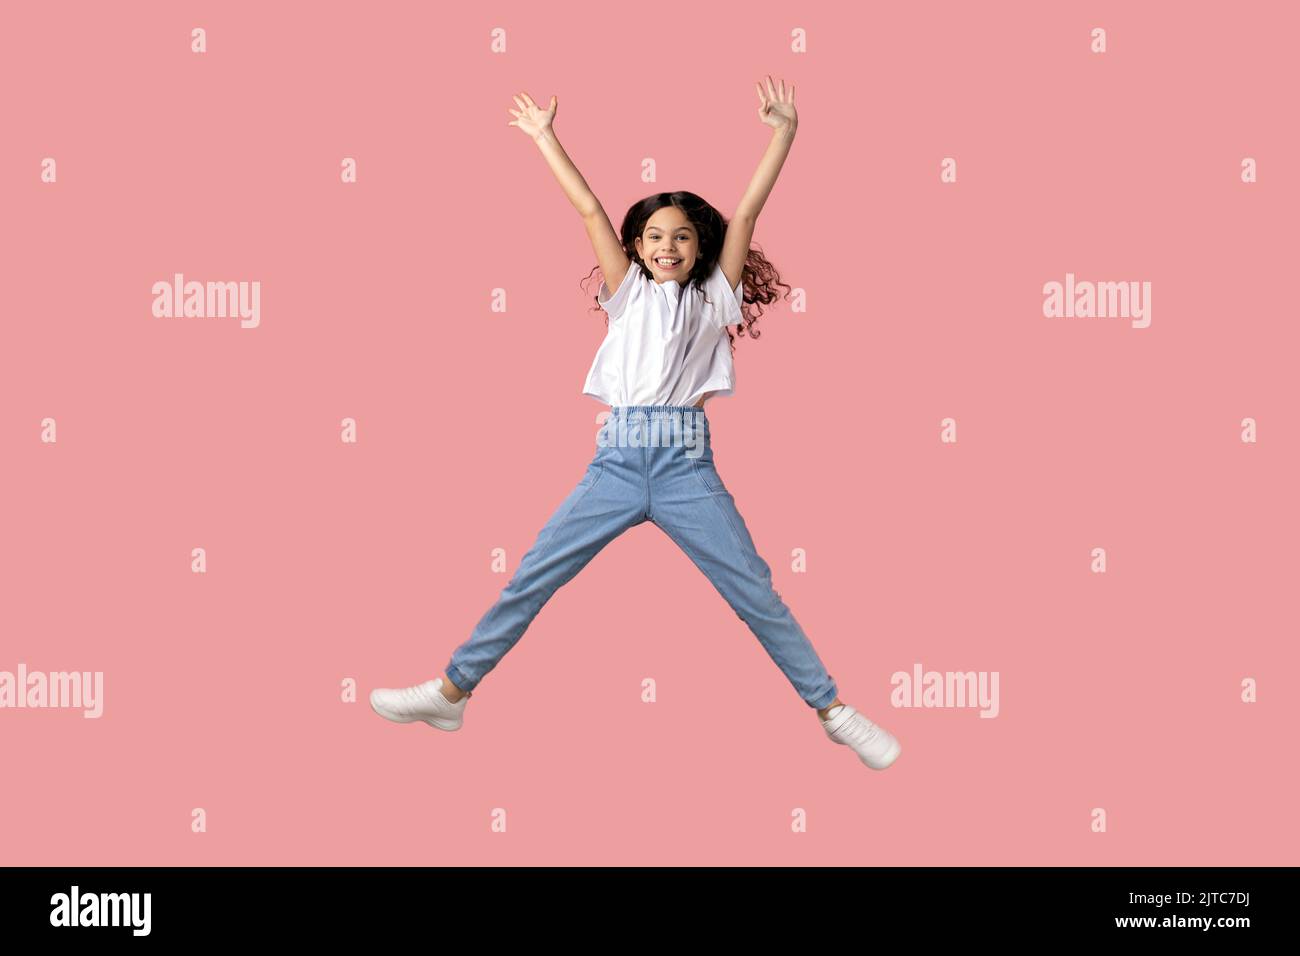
(372, 561)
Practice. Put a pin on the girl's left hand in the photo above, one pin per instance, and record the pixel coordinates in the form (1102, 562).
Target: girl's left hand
(777, 109)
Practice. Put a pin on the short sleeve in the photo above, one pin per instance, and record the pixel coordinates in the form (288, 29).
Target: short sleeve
(616, 304)
(727, 302)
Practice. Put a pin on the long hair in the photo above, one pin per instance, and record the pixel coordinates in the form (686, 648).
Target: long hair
(759, 278)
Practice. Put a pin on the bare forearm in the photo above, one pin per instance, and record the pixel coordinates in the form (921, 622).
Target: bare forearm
(574, 186)
(769, 167)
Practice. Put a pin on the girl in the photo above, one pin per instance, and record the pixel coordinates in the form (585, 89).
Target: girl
(676, 279)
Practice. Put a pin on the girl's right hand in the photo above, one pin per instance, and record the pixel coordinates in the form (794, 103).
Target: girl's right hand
(530, 117)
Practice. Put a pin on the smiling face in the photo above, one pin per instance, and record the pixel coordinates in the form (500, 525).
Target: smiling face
(668, 235)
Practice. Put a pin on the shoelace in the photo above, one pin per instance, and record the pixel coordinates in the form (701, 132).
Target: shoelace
(858, 730)
(413, 698)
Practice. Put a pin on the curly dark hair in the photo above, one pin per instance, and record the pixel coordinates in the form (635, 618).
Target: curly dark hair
(759, 278)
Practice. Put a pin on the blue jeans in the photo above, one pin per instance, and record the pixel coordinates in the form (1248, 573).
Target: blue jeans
(652, 463)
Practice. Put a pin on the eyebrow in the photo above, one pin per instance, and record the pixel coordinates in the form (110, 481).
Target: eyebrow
(661, 229)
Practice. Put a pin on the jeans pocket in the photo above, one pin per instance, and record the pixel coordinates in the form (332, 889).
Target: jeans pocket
(592, 474)
(702, 465)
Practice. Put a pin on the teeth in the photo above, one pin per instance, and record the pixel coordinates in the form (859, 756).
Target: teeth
(671, 262)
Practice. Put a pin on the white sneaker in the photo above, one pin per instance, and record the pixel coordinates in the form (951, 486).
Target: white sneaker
(421, 702)
(875, 746)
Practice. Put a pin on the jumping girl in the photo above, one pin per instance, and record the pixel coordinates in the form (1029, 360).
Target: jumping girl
(677, 277)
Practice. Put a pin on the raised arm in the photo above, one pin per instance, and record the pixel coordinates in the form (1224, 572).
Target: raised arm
(776, 109)
(537, 123)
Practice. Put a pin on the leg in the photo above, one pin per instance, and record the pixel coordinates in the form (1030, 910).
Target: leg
(598, 510)
(824, 712)
(451, 691)
(695, 509)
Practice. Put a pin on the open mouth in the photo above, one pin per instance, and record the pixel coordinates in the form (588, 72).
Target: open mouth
(668, 264)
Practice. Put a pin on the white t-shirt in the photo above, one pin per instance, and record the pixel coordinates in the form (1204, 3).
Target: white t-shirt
(665, 346)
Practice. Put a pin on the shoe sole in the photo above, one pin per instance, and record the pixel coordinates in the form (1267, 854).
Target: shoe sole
(438, 722)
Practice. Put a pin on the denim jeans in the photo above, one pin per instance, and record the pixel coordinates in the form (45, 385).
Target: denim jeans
(652, 463)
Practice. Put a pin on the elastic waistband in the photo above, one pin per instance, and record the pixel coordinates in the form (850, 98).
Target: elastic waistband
(691, 417)
(654, 425)
(658, 411)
